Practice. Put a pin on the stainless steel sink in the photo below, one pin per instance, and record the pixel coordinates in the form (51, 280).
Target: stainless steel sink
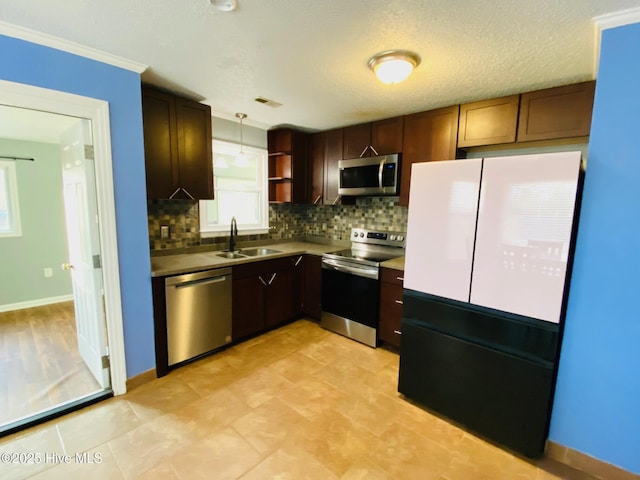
(231, 255)
(256, 252)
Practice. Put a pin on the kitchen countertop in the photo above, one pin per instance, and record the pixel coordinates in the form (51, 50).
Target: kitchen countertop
(163, 265)
(394, 263)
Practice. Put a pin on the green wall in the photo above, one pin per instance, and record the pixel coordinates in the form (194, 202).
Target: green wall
(229, 131)
(43, 242)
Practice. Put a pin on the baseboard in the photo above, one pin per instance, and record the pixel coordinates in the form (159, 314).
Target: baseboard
(587, 464)
(8, 307)
(141, 379)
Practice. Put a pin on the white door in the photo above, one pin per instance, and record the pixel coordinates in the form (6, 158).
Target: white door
(81, 210)
(443, 202)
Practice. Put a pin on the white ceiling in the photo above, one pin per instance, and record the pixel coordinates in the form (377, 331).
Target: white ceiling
(311, 55)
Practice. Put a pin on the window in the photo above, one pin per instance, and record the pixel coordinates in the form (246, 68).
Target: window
(240, 183)
(9, 213)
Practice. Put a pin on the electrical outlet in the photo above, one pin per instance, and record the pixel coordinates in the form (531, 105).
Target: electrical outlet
(48, 272)
(164, 231)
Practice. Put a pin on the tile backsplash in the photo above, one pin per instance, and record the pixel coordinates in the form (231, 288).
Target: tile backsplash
(286, 221)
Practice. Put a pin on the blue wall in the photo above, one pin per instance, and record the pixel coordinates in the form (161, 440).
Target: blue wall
(597, 402)
(31, 64)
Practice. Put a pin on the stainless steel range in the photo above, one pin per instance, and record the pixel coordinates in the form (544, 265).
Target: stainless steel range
(351, 287)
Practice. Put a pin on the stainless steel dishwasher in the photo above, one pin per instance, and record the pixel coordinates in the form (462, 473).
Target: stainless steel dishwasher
(198, 313)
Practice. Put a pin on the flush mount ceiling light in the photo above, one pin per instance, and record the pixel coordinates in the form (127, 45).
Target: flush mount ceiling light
(225, 5)
(393, 66)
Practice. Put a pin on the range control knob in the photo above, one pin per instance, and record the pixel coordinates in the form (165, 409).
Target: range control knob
(361, 234)
(355, 234)
(392, 237)
(400, 238)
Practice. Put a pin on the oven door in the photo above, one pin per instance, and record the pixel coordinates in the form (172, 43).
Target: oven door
(351, 291)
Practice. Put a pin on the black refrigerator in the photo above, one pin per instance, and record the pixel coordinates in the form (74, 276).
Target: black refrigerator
(487, 268)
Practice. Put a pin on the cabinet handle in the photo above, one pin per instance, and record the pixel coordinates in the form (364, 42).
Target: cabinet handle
(317, 199)
(400, 278)
(174, 193)
(272, 278)
(364, 151)
(298, 261)
(190, 196)
(262, 281)
(335, 202)
(398, 332)
(374, 150)
(400, 302)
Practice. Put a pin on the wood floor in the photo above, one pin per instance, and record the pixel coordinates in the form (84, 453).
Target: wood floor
(296, 403)
(40, 366)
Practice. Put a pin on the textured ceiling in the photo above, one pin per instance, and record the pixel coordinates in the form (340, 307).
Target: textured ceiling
(311, 55)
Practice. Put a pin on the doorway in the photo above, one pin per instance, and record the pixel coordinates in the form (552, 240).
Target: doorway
(59, 336)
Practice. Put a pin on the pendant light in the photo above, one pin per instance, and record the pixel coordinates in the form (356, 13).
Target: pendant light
(394, 66)
(241, 158)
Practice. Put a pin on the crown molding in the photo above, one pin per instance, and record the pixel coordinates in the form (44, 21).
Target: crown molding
(617, 19)
(47, 40)
(607, 21)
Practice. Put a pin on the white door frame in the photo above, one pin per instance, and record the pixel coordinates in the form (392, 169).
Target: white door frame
(36, 98)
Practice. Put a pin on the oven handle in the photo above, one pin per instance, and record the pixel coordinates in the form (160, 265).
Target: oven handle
(367, 272)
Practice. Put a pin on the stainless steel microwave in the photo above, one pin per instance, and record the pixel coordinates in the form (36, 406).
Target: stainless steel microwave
(372, 176)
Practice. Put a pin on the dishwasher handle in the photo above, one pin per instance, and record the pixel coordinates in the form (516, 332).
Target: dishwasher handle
(204, 281)
(198, 278)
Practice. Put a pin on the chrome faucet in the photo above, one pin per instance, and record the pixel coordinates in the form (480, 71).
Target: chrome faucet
(233, 234)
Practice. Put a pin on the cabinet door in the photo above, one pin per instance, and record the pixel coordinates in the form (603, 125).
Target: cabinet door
(428, 136)
(441, 227)
(386, 136)
(333, 154)
(195, 149)
(248, 307)
(488, 122)
(317, 147)
(313, 286)
(297, 285)
(560, 112)
(160, 143)
(279, 297)
(524, 231)
(356, 140)
(369, 139)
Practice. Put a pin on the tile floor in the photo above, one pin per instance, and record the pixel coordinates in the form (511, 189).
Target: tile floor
(296, 403)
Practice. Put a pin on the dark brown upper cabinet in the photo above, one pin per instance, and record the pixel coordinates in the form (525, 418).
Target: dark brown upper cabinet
(317, 147)
(488, 122)
(287, 165)
(560, 112)
(333, 140)
(370, 139)
(428, 136)
(178, 146)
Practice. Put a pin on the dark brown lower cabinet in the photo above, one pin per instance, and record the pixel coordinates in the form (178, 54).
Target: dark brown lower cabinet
(306, 289)
(262, 296)
(390, 327)
(297, 291)
(312, 286)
